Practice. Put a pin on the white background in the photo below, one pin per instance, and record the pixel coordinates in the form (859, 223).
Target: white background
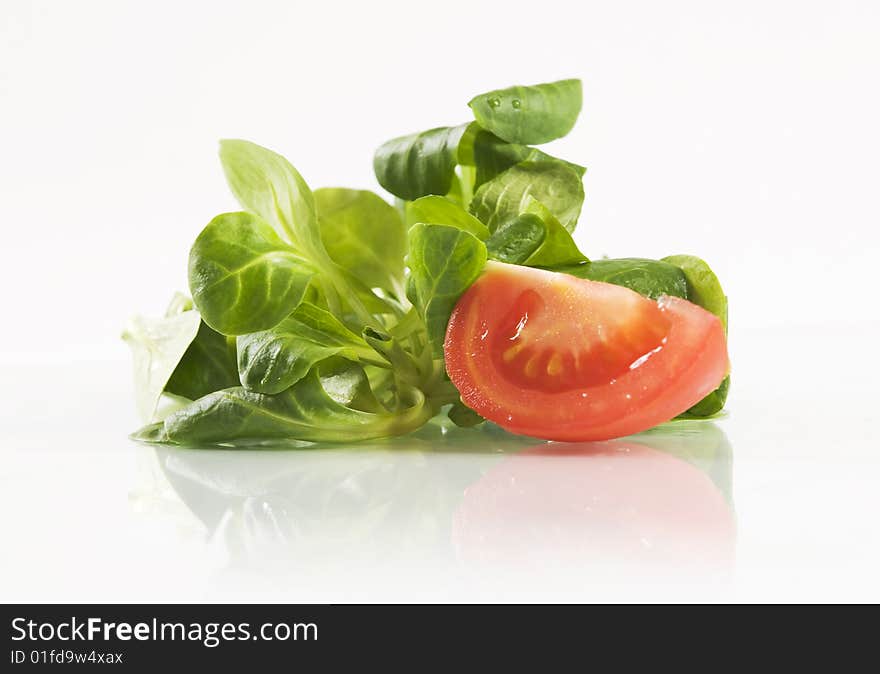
(746, 133)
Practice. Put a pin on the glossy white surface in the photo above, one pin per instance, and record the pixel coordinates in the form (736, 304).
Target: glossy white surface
(91, 516)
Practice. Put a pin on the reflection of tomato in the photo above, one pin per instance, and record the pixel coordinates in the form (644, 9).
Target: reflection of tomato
(618, 501)
(558, 357)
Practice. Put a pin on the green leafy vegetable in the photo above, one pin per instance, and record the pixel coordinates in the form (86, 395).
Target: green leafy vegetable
(208, 365)
(534, 238)
(490, 155)
(419, 164)
(712, 404)
(306, 411)
(650, 278)
(243, 277)
(434, 210)
(552, 183)
(363, 234)
(516, 240)
(703, 287)
(266, 184)
(530, 114)
(444, 261)
(463, 416)
(275, 359)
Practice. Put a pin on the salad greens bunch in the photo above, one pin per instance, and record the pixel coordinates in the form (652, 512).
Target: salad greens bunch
(320, 316)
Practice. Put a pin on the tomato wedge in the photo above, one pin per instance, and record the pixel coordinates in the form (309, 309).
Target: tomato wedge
(553, 356)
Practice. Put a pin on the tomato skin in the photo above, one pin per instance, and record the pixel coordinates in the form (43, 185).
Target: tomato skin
(690, 364)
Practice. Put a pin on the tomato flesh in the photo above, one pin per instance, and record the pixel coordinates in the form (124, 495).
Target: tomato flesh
(553, 356)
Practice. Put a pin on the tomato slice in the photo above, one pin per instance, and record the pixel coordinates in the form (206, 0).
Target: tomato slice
(553, 356)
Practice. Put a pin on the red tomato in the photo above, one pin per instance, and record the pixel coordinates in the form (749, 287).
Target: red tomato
(557, 357)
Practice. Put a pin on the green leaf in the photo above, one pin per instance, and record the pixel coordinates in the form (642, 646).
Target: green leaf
(491, 155)
(552, 183)
(463, 416)
(444, 261)
(272, 360)
(516, 240)
(419, 164)
(266, 184)
(435, 210)
(208, 365)
(243, 277)
(712, 404)
(703, 287)
(305, 411)
(347, 384)
(530, 114)
(363, 234)
(157, 347)
(557, 247)
(651, 278)
(403, 363)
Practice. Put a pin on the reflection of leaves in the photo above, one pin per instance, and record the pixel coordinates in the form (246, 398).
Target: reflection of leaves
(399, 490)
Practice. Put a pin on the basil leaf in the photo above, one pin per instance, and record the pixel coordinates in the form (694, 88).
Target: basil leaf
(444, 261)
(419, 164)
(243, 277)
(552, 183)
(363, 234)
(157, 347)
(434, 210)
(530, 114)
(651, 278)
(273, 360)
(305, 411)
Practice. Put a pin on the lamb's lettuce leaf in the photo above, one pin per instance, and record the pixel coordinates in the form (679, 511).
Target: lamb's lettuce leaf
(434, 210)
(490, 155)
(243, 277)
(419, 164)
(272, 360)
(363, 234)
(444, 261)
(552, 183)
(651, 278)
(530, 114)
